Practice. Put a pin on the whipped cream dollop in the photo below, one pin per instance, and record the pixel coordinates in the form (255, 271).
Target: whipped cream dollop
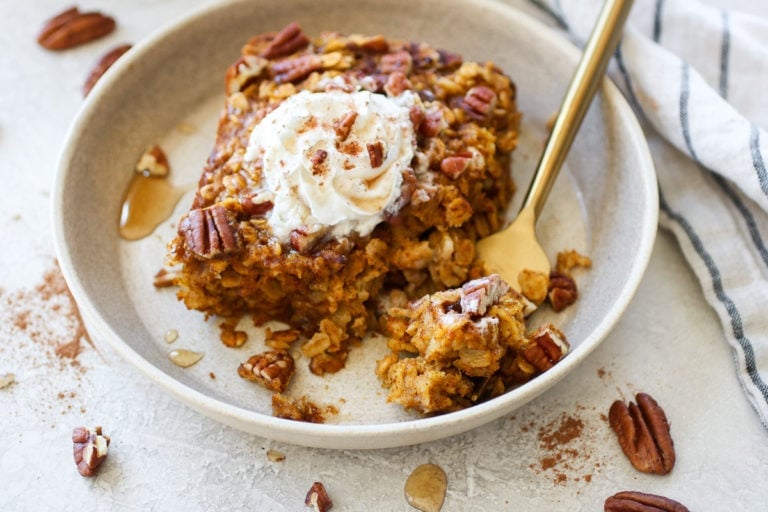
(334, 161)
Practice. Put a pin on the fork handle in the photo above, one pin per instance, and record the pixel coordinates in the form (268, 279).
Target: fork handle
(587, 77)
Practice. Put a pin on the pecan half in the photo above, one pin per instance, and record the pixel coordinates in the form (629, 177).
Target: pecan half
(562, 290)
(633, 501)
(643, 433)
(318, 498)
(211, 232)
(102, 65)
(90, 448)
(296, 68)
(546, 346)
(479, 102)
(289, 40)
(72, 28)
(272, 369)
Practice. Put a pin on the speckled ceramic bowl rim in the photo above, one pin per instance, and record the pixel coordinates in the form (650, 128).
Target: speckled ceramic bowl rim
(345, 435)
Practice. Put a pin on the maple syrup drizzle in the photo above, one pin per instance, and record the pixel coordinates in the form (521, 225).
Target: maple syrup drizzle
(148, 201)
(184, 358)
(171, 335)
(425, 488)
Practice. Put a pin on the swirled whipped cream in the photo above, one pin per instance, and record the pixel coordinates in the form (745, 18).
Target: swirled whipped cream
(334, 161)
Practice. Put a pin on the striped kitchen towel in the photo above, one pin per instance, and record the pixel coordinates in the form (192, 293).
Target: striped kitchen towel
(695, 74)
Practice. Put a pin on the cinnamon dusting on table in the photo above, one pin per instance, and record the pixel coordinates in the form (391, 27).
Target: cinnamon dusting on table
(43, 329)
(565, 447)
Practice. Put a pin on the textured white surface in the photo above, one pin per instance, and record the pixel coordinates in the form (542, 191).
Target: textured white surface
(165, 456)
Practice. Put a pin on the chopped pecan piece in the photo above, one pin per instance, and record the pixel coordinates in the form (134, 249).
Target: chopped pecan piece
(478, 295)
(103, 64)
(289, 40)
(401, 61)
(165, 278)
(244, 72)
(153, 163)
(546, 346)
(454, 166)
(272, 369)
(296, 68)
(562, 290)
(432, 124)
(376, 153)
(318, 162)
(633, 501)
(374, 44)
(643, 433)
(449, 60)
(210, 232)
(90, 448)
(479, 102)
(318, 498)
(397, 84)
(256, 205)
(344, 124)
(303, 239)
(72, 28)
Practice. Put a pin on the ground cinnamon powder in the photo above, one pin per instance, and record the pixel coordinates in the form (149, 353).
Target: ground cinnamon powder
(46, 336)
(565, 454)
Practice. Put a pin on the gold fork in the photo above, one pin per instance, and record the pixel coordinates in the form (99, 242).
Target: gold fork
(516, 248)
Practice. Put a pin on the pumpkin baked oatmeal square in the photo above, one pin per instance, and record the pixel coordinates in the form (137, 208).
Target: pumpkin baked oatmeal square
(344, 167)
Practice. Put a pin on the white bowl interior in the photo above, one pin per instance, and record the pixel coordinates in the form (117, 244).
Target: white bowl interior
(604, 204)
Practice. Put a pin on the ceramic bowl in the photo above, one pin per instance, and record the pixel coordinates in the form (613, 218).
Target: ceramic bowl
(169, 90)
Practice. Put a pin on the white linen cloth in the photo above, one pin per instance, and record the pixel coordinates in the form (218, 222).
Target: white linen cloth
(696, 77)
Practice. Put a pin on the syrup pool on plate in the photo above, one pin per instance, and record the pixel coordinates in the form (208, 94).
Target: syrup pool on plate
(150, 197)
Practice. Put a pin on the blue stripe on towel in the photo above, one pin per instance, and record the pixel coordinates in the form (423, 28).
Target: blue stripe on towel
(657, 21)
(757, 158)
(685, 96)
(625, 75)
(749, 219)
(737, 326)
(725, 51)
(558, 17)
